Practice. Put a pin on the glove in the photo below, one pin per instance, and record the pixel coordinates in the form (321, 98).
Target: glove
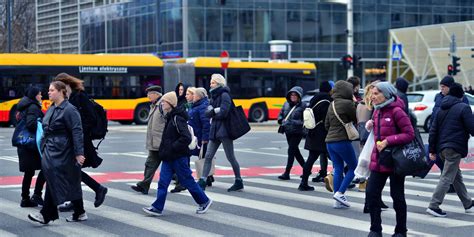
(210, 111)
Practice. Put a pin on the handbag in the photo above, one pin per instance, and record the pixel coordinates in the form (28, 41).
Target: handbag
(22, 137)
(236, 122)
(199, 165)
(351, 130)
(281, 128)
(410, 159)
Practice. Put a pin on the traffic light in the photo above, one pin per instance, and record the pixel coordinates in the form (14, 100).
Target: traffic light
(456, 65)
(450, 70)
(346, 61)
(357, 61)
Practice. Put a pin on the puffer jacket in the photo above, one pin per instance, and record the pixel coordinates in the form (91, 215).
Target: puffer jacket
(294, 123)
(200, 122)
(315, 138)
(437, 106)
(395, 126)
(451, 127)
(346, 110)
(155, 127)
(176, 136)
(220, 98)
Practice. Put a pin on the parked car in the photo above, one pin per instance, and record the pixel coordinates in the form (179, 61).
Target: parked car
(422, 103)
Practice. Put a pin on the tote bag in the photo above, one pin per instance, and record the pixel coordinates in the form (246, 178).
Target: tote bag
(22, 137)
(199, 165)
(410, 159)
(236, 122)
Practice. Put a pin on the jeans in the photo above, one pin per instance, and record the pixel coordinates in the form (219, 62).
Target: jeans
(151, 165)
(26, 183)
(451, 174)
(294, 151)
(308, 165)
(374, 199)
(184, 174)
(341, 152)
(228, 145)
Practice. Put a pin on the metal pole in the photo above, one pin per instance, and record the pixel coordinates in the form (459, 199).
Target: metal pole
(225, 74)
(185, 29)
(9, 25)
(350, 36)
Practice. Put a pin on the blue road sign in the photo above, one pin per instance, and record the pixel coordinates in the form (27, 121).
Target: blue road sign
(397, 52)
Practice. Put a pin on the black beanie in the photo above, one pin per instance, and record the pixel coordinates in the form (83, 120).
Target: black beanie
(456, 90)
(447, 81)
(32, 92)
(324, 86)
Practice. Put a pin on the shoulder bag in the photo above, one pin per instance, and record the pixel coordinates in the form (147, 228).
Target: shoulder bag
(236, 122)
(351, 131)
(281, 129)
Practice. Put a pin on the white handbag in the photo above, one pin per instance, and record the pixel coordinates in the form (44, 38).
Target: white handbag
(199, 165)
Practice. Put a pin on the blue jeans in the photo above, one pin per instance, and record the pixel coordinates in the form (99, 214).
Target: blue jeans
(341, 152)
(184, 174)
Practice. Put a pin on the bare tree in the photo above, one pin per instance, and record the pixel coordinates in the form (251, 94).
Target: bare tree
(22, 26)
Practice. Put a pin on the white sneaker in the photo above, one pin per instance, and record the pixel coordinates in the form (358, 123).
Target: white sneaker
(341, 198)
(37, 217)
(338, 205)
(204, 207)
(81, 217)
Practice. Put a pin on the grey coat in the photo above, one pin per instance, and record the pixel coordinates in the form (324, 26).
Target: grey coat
(62, 141)
(156, 126)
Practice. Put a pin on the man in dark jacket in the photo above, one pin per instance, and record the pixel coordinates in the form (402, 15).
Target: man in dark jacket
(402, 86)
(449, 135)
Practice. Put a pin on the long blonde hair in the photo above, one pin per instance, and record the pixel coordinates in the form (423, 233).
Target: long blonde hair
(367, 95)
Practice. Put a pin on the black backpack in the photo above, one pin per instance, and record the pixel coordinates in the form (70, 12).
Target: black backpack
(100, 128)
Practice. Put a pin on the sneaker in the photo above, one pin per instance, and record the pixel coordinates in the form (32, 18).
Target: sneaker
(77, 218)
(100, 196)
(139, 189)
(341, 198)
(328, 180)
(436, 212)
(36, 198)
(319, 178)
(152, 211)
(374, 234)
(470, 209)
(37, 217)
(338, 205)
(204, 207)
(178, 188)
(284, 176)
(66, 207)
(202, 183)
(237, 186)
(26, 202)
(305, 187)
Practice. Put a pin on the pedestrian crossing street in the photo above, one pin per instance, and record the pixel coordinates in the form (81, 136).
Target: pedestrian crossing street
(266, 207)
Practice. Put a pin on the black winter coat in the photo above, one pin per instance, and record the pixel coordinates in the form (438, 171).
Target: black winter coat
(451, 129)
(62, 142)
(315, 138)
(220, 98)
(30, 111)
(294, 123)
(176, 136)
(81, 101)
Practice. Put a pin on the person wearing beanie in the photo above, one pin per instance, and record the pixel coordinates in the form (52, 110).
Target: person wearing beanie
(402, 86)
(154, 134)
(29, 160)
(315, 138)
(174, 152)
(391, 126)
(449, 139)
(218, 111)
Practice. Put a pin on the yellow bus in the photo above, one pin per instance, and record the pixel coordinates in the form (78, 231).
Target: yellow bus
(117, 82)
(259, 87)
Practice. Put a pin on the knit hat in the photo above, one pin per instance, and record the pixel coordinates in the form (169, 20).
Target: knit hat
(447, 81)
(456, 90)
(32, 92)
(331, 82)
(155, 89)
(219, 79)
(171, 98)
(324, 86)
(201, 92)
(401, 84)
(387, 89)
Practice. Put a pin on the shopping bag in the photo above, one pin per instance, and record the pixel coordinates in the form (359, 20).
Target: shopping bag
(362, 170)
(236, 122)
(39, 134)
(410, 159)
(22, 137)
(199, 165)
(470, 151)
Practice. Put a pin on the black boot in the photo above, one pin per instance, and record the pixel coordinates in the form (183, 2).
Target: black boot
(305, 187)
(26, 202)
(319, 178)
(178, 188)
(209, 181)
(238, 186)
(284, 176)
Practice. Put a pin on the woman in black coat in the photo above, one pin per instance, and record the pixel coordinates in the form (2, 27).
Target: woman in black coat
(315, 139)
(62, 157)
(291, 119)
(29, 109)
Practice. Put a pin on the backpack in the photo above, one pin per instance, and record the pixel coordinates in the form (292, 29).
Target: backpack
(100, 127)
(309, 121)
(194, 141)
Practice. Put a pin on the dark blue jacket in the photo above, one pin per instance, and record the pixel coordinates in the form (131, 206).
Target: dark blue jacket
(451, 127)
(176, 136)
(294, 123)
(220, 98)
(315, 140)
(438, 99)
(200, 122)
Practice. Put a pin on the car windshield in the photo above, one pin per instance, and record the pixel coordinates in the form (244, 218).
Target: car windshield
(413, 98)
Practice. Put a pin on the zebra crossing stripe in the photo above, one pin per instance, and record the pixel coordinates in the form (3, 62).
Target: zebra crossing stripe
(9, 158)
(4, 233)
(59, 226)
(229, 219)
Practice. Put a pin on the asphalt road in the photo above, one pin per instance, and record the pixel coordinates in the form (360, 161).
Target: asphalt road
(266, 207)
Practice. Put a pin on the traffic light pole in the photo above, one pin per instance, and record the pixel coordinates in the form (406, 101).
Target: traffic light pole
(350, 36)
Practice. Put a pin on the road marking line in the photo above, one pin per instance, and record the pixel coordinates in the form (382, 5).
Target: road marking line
(5, 233)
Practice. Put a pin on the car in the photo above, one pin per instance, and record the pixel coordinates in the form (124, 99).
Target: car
(422, 103)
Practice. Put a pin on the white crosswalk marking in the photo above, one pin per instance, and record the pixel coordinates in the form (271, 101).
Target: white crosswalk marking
(9, 158)
(4, 233)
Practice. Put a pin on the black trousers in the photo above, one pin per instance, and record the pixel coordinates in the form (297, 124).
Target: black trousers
(26, 183)
(308, 165)
(50, 209)
(375, 186)
(89, 181)
(293, 151)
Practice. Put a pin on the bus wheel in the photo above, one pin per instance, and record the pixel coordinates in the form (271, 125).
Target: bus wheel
(258, 113)
(141, 114)
(12, 120)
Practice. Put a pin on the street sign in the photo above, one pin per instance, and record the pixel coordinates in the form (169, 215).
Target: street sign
(397, 52)
(225, 59)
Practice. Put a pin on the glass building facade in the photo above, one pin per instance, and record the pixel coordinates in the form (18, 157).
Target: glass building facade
(192, 28)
